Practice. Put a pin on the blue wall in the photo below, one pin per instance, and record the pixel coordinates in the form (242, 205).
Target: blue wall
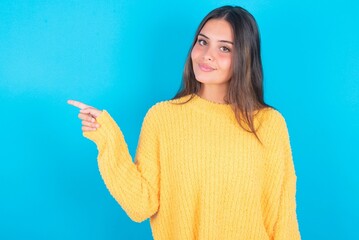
(126, 55)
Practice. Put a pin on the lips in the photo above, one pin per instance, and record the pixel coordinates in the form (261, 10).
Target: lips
(205, 67)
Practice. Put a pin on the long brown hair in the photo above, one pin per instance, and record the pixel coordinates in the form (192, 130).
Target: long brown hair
(245, 92)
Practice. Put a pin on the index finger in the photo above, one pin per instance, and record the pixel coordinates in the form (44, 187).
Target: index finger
(78, 104)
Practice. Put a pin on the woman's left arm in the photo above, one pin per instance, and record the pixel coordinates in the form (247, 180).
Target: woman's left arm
(286, 226)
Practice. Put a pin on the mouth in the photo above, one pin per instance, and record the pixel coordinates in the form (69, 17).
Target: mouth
(205, 67)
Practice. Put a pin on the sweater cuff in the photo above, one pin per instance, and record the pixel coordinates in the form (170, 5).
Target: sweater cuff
(108, 130)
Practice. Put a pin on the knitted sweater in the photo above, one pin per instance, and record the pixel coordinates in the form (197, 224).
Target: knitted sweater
(198, 175)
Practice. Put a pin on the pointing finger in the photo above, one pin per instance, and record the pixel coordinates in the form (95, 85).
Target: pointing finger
(77, 104)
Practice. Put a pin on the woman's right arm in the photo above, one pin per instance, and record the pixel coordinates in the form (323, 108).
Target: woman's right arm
(134, 185)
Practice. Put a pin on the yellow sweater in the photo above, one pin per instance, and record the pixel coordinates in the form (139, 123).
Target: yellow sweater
(198, 175)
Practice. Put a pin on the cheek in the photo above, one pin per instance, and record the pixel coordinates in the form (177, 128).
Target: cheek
(195, 52)
(229, 65)
(226, 63)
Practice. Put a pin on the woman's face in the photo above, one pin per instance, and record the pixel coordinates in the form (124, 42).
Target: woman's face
(212, 54)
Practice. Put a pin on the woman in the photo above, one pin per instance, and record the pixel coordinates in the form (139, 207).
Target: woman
(214, 162)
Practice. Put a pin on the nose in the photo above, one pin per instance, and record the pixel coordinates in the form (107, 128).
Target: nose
(208, 54)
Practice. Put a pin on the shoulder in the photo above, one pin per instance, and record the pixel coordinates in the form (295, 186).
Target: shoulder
(272, 124)
(166, 109)
(270, 117)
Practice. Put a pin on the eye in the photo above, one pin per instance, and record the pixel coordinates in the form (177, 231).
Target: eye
(225, 49)
(202, 42)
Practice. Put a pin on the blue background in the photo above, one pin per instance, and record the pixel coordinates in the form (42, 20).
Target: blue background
(126, 55)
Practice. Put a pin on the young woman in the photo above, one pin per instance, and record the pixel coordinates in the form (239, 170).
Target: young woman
(214, 162)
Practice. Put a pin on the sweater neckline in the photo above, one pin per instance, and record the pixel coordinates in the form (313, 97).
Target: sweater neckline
(206, 101)
(205, 105)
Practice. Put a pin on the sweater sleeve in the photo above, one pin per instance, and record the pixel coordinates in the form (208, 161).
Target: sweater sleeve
(134, 185)
(285, 220)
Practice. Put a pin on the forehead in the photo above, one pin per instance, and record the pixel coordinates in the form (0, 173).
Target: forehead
(218, 29)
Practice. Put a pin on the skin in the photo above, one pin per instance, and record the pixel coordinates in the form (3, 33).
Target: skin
(87, 114)
(212, 59)
(212, 65)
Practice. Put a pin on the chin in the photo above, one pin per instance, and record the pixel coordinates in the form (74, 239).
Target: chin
(207, 80)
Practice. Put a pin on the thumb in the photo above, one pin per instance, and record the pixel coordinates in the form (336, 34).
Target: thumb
(92, 111)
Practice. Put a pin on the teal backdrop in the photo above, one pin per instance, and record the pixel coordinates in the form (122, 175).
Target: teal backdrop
(124, 56)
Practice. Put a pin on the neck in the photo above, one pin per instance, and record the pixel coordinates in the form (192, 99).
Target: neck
(213, 93)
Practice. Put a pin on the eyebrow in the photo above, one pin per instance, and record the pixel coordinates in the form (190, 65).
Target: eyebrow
(225, 41)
